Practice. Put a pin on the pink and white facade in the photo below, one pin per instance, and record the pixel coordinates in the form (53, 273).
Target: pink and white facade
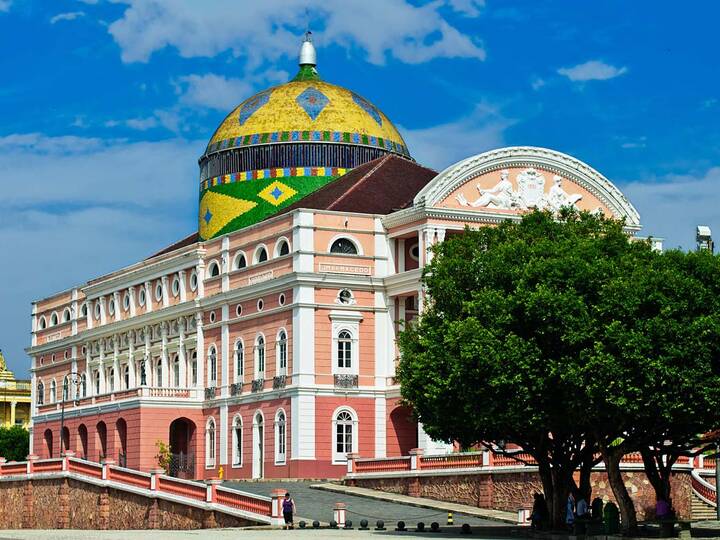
(270, 351)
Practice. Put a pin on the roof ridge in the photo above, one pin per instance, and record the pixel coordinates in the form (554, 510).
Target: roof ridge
(362, 179)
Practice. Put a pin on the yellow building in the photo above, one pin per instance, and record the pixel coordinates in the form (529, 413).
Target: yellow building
(14, 398)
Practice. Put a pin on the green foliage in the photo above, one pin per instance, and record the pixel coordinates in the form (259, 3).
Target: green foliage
(164, 455)
(14, 443)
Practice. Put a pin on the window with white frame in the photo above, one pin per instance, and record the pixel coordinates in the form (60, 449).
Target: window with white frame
(193, 368)
(97, 382)
(176, 371)
(344, 434)
(239, 361)
(83, 385)
(261, 254)
(281, 352)
(344, 350)
(158, 372)
(280, 437)
(53, 319)
(40, 393)
(260, 357)
(66, 315)
(344, 246)
(212, 365)
(210, 444)
(282, 247)
(43, 323)
(240, 261)
(345, 344)
(126, 376)
(53, 391)
(111, 379)
(66, 389)
(237, 441)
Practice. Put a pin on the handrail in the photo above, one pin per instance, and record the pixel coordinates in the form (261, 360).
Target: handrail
(703, 489)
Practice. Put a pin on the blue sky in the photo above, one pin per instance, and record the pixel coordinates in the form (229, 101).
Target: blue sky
(106, 107)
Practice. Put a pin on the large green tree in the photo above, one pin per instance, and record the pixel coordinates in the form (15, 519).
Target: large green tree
(519, 338)
(14, 443)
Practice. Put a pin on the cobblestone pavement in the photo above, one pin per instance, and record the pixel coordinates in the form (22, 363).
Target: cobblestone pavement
(316, 504)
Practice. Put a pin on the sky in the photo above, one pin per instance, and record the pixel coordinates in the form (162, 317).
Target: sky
(105, 107)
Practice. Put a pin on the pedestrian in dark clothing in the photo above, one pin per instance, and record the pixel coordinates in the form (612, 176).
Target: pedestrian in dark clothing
(288, 508)
(540, 515)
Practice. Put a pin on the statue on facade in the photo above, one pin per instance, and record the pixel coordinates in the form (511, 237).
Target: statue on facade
(501, 196)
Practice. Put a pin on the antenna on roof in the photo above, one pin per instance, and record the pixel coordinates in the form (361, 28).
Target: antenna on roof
(308, 56)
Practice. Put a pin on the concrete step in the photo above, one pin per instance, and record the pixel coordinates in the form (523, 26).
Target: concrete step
(702, 511)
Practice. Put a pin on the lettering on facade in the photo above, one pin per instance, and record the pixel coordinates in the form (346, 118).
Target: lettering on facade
(53, 337)
(259, 278)
(345, 269)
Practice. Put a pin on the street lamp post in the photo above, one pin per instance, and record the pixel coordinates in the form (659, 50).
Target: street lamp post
(73, 377)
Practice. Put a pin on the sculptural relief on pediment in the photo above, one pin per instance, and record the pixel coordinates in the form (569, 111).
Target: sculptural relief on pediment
(518, 190)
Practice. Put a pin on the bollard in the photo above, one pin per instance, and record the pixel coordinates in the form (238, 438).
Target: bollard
(400, 526)
(450, 518)
(339, 513)
(348, 524)
(379, 525)
(316, 524)
(466, 529)
(302, 524)
(435, 527)
(333, 524)
(363, 525)
(420, 527)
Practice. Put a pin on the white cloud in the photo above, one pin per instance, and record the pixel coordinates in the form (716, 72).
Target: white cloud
(442, 145)
(142, 124)
(81, 207)
(538, 83)
(672, 206)
(219, 92)
(469, 8)
(593, 70)
(5, 5)
(70, 16)
(264, 31)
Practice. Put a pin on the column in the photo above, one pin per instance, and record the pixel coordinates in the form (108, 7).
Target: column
(148, 297)
(225, 264)
(116, 362)
(225, 350)
(303, 336)
(103, 318)
(13, 404)
(118, 305)
(182, 355)
(183, 285)
(165, 291)
(163, 351)
(131, 293)
(200, 344)
(200, 271)
(101, 367)
(131, 358)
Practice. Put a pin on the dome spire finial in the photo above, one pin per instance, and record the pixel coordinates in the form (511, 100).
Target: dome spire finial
(308, 60)
(308, 56)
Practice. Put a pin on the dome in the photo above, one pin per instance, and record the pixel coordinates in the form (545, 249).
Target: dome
(284, 143)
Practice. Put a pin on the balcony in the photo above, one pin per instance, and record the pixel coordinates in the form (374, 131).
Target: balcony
(236, 389)
(279, 382)
(210, 392)
(257, 385)
(346, 381)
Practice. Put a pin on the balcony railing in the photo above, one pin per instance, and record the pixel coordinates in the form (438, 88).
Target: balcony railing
(236, 389)
(210, 392)
(279, 382)
(257, 385)
(346, 381)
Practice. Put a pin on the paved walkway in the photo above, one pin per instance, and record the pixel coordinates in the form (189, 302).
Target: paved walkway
(313, 503)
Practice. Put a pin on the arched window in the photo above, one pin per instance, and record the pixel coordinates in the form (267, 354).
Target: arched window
(344, 350)
(83, 385)
(239, 361)
(280, 437)
(237, 442)
(240, 261)
(282, 248)
(176, 371)
(193, 368)
(66, 315)
(40, 393)
(210, 444)
(66, 389)
(53, 319)
(126, 377)
(345, 440)
(282, 353)
(344, 246)
(111, 380)
(260, 357)
(212, 365)
(158, 373)
(43, 323)
(214, 269)
(97, 382)
(53, 391)
(261, 254)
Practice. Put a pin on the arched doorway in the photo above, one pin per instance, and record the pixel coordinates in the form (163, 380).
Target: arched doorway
(48, 437)
(258, 445)
(64, 440)
(101, 440)
(182, 448)
(403, 435)
(121, 431)
(83, 439)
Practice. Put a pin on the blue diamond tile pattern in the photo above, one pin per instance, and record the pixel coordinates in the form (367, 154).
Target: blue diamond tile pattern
(276, 193)
(208, 216)
(252, 105)
(313, 101)
(367, 107)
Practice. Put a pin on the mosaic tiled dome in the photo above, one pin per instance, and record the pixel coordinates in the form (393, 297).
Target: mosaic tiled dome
(284, 143)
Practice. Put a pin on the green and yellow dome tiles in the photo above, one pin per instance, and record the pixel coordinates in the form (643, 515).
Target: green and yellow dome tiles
(286, 120)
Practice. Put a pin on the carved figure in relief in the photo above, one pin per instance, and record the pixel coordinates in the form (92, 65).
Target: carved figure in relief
(501, 195)
(558, 197)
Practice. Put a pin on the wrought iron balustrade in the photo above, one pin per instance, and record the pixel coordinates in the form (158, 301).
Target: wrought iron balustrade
(235, 389)
(279, 382)
(257, 385)
(210, 392)
(346, 381)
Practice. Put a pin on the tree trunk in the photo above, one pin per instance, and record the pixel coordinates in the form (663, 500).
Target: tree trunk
(659, 473)
(556, 486)
(612, 457)
(585, 486)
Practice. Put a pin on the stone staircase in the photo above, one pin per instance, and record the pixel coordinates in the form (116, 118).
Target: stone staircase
(702, 511)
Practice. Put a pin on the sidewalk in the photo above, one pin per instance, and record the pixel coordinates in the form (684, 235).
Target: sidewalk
(495, 515)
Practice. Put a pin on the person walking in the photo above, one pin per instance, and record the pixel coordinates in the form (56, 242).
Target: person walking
(288, 509)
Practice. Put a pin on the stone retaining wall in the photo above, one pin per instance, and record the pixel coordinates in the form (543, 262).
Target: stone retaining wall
(512, 490)
(62, 503)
